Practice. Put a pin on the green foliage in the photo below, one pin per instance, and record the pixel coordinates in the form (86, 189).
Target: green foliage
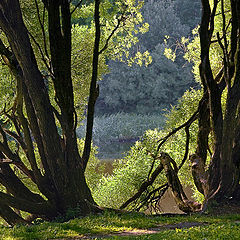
(122, 126)
(82, 46)
(7, 87)
(216, 55)
(149, 89)
(144, 89)
(117, 48)
(114, 190)
(93, 174)
(118, 45)
(188, 12)
(131, 171)
(113, 134)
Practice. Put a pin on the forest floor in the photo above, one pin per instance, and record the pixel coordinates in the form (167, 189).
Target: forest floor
(144, 232)
(132, 226)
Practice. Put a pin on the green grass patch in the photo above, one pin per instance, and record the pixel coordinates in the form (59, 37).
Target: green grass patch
(218, 227)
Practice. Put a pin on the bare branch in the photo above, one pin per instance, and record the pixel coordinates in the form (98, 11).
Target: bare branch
(186, 147)
(42, 27)
(188, 123)
(151, 197)
(144, 186)
(18, 138)
(13, 158)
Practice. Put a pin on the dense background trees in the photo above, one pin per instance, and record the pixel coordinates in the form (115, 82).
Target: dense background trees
(161, 83)
(210, 145)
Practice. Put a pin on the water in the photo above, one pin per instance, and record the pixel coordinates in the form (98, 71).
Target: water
(114, 149)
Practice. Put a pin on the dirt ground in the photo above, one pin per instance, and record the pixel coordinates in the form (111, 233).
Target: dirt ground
(137, 232)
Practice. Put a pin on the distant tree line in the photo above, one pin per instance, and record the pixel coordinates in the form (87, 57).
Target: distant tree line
(148, 89)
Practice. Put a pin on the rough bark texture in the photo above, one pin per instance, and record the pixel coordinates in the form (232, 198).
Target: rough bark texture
(223, 173)
(60, 174)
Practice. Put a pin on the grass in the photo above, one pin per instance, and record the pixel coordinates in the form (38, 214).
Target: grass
(114, 134)
(218, 227)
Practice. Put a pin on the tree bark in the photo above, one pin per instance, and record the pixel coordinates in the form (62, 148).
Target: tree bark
(94, 90)
(61, 179)
(223, 173)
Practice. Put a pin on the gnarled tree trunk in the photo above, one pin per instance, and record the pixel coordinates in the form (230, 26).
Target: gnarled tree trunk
(61, 175)
(223, 174)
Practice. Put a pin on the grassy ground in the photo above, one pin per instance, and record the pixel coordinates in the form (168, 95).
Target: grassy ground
(133, 226)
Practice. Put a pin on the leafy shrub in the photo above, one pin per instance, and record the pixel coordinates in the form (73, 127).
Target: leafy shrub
(93, 173)
(131, 171)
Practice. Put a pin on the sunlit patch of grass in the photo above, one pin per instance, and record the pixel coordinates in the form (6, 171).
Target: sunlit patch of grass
(211, 232)
(218, 227)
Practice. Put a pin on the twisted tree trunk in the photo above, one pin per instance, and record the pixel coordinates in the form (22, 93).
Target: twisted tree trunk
(223, 174)
(60, 174)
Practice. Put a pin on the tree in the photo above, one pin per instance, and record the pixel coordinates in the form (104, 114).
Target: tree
(216, 159)
(153, 84)
(222, 121)
(37, 135)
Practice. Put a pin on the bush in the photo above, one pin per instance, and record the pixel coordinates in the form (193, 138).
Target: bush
(93, 173)
(132, 171)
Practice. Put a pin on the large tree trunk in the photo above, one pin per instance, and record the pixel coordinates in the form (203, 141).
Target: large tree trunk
(223, 174)
(62, 179)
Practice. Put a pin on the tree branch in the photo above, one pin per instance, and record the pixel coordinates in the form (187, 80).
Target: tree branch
(187, 123)
(80, 2)
(13, 158)
(10, 216)
(179, 195)
(39, 208)
(42, 54)
(42, 27)
(14, 185)
(112, 33)
(94, 89)
(144, 186)
(151, 198)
